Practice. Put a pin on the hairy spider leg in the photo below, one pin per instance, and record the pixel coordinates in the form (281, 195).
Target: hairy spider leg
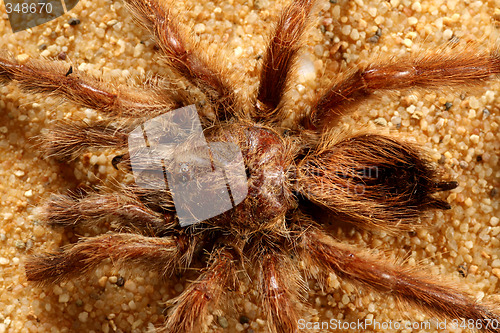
(191, 308)
(447, 67)
(405, 284)
(69, 140)
(282, 289)
(162, 255)
(198, 68)
(280, 57)
(61, 79)
(126, 211)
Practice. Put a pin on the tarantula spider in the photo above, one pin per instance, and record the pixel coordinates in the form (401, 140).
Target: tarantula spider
(291, 177)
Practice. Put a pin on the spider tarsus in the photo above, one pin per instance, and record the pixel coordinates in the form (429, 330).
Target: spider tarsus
(93, 209)
(64, 142)
(6, 68)
(45, 269)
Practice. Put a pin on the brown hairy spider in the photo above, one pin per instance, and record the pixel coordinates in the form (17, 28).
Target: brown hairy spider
(297, 178)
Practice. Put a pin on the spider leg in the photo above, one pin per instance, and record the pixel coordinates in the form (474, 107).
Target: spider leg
(436, 70)
(280, 284)
(280, 56)
(372, 180)
(61, 79)
(190, 309)
(408, 285)
(159, 254)
(125, 211)
(201, 70)
(72, 139)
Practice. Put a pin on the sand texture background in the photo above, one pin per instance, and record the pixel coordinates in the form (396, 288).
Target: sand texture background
(462, 244)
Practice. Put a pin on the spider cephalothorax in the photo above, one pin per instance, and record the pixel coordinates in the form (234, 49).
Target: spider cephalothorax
(292, 178)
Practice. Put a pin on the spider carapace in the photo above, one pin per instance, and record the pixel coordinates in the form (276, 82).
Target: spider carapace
(277, 232)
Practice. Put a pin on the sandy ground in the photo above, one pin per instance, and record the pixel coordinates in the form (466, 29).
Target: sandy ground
(461, 244)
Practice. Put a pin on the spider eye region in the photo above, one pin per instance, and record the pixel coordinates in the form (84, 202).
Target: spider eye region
(204, 178)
